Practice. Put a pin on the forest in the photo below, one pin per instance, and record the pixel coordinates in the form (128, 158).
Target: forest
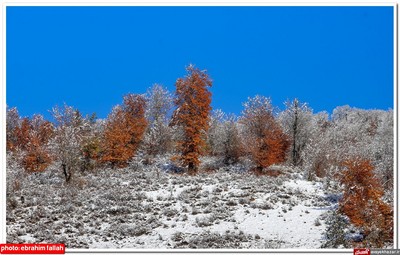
(165, 170)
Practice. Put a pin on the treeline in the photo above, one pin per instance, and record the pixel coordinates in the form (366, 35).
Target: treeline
(351, 145)
(159, 123)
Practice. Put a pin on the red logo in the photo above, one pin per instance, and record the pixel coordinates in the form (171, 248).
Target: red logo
(362, 252)
(32, 248)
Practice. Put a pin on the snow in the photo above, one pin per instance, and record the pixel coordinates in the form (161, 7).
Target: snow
(28, 238)
(304, 186)
(125, 209)
(296, 228)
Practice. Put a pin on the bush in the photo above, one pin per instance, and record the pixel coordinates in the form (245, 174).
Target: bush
(362, 202)
(336, 231)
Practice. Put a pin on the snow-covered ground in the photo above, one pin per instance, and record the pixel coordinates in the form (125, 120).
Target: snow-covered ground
(131, 208)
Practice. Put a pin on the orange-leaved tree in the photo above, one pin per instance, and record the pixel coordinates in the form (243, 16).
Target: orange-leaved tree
(263, 137)
(36, 134)
(124, 131)
(21, 133)
(193, 101)
(362, 202)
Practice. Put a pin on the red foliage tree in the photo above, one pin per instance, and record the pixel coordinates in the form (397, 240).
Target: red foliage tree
(193, 101)
(34, 137)
(362, 202)
(263, 137)
(124, 131)
(22, 134)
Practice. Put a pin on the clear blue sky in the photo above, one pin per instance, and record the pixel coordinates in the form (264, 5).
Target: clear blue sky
(89, 57)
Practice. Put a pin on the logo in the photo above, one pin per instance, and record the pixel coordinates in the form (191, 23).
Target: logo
(362, 252)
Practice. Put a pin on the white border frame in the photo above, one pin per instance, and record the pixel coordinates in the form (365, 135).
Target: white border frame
(192, 3)
(396, 126)
(3, 199)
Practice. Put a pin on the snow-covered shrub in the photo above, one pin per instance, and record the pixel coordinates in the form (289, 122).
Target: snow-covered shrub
(130, 229)
(336, 231)
(206, 220)
(265, 205)
(168, 212)
(272, 244)
(211, 240)
(116, 210)
(231, 202)
(137, 163)
(211, 164)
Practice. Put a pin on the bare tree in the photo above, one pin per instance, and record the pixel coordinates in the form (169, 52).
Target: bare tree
(158, 137)
(223, 137)
(68, 136)
(296, 121)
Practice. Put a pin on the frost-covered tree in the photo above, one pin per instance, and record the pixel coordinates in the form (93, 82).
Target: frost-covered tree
(159, 103)
(214, 132)
(350, 132)
(317, 152)
(91, 143)
(193, 102)
(353, 130)
(366, 133)
(158, 137)
(223, 137)
(264, 139)
(232, 146)
(296, 122)
(12, 123)
(69, 133)
(124, 130)
(381, 148)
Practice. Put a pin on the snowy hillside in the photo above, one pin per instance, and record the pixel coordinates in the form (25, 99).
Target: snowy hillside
(150, 208)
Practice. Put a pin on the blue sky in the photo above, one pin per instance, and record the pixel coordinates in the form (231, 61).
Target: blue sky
(89, 57)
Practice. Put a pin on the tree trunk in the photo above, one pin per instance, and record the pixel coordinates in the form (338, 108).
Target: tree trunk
(192, 169)
(294, 150)
(259, 170)
(67, 173)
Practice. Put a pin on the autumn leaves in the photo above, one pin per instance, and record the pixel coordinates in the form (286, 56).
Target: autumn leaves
(266, 143)
(192, 114)
(362, 202)
(124, 131)
(82, 142)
